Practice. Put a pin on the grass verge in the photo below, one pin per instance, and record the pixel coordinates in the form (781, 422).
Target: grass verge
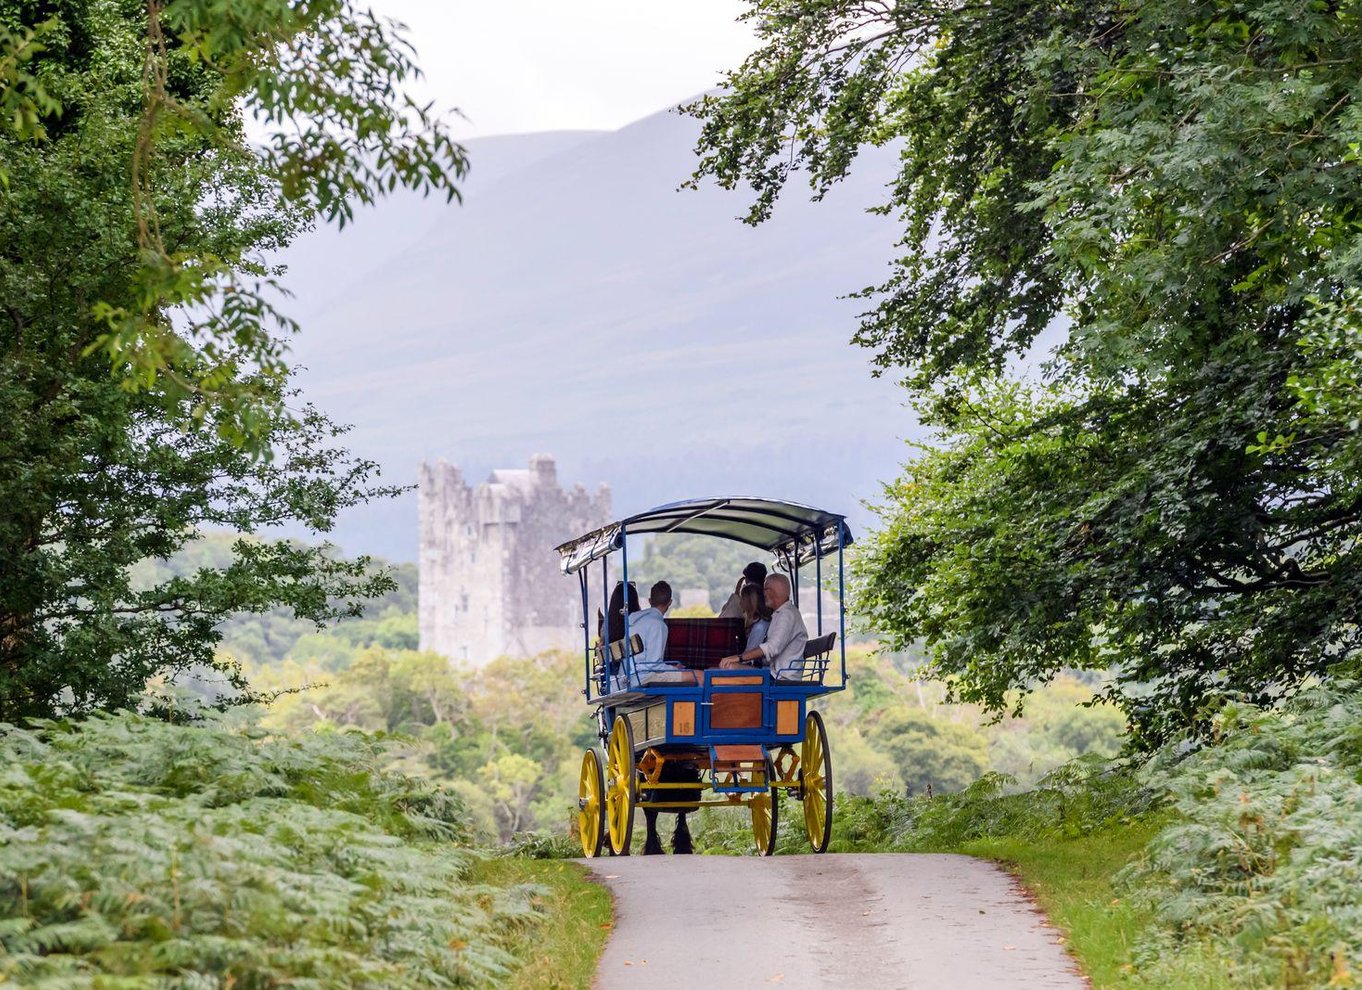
(1071, 880)
(561, 952)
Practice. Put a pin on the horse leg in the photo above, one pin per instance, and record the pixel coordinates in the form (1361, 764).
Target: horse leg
(681, 844)
(653, 845)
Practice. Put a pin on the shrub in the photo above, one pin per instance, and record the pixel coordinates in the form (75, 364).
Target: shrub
(1079, 797)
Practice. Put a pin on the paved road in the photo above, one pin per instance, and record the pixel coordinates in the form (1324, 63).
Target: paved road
(868, 922)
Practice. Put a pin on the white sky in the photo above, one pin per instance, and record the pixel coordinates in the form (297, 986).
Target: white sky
(536, 65)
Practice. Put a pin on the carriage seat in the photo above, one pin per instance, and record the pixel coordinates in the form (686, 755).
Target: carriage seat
(817, 657)
(616, 652)
(699, 644)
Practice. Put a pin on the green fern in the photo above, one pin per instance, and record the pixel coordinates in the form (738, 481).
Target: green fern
(134, 853)
(1265, 859)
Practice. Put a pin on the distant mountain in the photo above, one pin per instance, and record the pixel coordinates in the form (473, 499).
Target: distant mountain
(579, 305)
(383, 231)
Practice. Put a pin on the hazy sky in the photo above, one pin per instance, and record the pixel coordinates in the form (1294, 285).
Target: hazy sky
(535, 65)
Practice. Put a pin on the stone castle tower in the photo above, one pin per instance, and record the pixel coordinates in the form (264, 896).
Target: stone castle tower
(490, 583)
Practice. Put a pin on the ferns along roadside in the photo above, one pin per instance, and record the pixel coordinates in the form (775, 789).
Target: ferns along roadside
(135, 852)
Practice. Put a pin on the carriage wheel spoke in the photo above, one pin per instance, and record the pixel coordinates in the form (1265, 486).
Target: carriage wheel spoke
(620, 793)
(816, 783)
(765, 808)
(590, 801)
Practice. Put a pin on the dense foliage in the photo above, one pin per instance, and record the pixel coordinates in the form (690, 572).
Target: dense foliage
(506, 737)
(893, 732)
(132, 850)
(1174, 184)
(142, 375)
(388, 620)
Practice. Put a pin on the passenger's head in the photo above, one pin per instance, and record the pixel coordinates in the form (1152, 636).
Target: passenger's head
(660, 596)
(777, 590)
(754, 572)
(624, 596)
(753, 605)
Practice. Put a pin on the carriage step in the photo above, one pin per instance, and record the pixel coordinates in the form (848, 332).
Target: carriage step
(736, 759)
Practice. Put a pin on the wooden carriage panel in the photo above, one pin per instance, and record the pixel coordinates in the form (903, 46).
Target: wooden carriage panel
(683, 718)
(735, 710)
(739, 754)
(787, 718)
(649, 724)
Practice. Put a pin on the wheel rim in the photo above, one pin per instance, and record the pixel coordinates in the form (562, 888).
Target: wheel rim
(765, 818)
(619, 788)
(590, 796)
(815, 763)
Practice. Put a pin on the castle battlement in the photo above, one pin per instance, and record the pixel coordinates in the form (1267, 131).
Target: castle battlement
(490, 583)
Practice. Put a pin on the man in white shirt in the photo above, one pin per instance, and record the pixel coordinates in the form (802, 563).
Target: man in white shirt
(649, 625)
(783, 650)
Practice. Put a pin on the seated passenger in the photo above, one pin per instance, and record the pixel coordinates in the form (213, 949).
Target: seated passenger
(783, 650)
(651, 627)
(611, 624)
(753, 574)
(756, 617)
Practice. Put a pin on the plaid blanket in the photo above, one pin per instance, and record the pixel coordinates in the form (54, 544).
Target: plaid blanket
(701, 643)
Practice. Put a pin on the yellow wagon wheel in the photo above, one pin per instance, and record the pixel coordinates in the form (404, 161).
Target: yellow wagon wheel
(621, 786)
(591, 804)
(766, 816)
(815, 762)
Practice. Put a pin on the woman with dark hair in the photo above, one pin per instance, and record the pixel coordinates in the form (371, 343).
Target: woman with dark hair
(610, 628)
(614, 613)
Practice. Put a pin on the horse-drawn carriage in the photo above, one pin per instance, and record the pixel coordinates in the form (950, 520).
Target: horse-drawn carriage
(744, 735)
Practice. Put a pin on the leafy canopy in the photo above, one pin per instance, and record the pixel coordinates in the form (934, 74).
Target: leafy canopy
(1171, 188)
(135, 219)
(324, 80)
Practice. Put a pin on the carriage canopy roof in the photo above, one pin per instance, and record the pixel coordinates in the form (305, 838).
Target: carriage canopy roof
(782, 528)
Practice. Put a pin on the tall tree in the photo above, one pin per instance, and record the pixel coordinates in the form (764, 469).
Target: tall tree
(1173, 183)
(143, 375)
